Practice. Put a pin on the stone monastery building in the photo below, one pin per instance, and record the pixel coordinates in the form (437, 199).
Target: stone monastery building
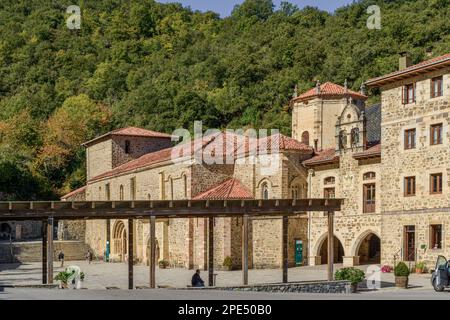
(390, 162)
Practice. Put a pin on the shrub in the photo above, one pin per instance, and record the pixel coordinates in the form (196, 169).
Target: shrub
(420, 265)
(354, 275)
(163, 264)
(401, 270)
(228, 263)
(64, 276)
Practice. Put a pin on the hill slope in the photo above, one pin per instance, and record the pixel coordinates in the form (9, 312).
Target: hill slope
(163, 66)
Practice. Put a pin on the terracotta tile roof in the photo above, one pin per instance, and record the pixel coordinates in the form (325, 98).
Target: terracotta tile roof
(284, 143)
(231, 189)
(422, 67)
(329, 89)
(374, 151)
(73, 193)
(205, 145)
(323, 157)
(133, 132)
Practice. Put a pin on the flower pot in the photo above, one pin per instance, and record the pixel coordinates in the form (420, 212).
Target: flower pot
(401, 282)
(419, 271)
(354, 288)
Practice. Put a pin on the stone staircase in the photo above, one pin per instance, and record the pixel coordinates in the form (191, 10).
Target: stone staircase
(31, 251)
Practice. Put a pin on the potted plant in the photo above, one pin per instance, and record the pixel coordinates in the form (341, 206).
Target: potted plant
(63, 278)
(228, 264)
(420, 267)
(354, 275)
(401, 273)
(163, 264)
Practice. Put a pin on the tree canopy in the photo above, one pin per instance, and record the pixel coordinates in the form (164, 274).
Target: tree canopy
(162, 66)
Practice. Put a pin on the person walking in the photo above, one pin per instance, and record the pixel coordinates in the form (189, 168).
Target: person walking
(61, 258)
(89, 256)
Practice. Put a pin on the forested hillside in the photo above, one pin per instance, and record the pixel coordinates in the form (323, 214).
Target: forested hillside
(163, 66)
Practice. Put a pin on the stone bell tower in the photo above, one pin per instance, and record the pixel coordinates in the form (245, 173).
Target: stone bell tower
(316, 112)
(351, 129)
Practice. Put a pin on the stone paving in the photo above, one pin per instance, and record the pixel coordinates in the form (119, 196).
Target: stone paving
(100, 275)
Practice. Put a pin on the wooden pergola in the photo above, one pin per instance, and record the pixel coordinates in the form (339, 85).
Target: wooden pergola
(49, 211)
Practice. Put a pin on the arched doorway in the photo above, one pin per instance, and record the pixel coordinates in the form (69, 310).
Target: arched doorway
(338, 251)
(119, 241)
(369, 250)
(5, 231)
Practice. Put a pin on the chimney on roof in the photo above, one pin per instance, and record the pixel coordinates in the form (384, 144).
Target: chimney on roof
(429, 52)
(318, 86)
(405, 61)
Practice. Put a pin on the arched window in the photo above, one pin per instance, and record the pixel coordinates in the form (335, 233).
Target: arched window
(305, 138)
(342, 140)
(295, 192)
(329, 181)
(369, 176)
(265, 191)
(121, 193)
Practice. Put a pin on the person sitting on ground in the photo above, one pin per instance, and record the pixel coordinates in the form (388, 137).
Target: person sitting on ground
(197, 282)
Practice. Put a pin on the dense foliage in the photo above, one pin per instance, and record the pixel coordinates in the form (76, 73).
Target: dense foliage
(162, 66)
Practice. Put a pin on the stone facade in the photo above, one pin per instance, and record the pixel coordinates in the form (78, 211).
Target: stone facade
(183, 242)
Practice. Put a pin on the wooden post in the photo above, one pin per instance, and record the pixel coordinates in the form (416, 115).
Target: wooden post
(211, 252)
(50, 222)
(130, 254)
(330, 245)
(245, 250)
(44, 252)
(152, 262)
(285, 248)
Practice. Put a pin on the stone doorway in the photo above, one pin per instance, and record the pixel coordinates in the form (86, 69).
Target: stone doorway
(338, 251)
(5, 231)
(119, 242)
(369, 251)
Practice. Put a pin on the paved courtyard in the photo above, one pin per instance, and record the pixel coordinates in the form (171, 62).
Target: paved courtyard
(100, 276)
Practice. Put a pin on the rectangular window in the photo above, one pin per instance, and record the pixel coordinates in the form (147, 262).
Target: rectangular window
(329, 193)
(410, 186)
(437, 86)
(436, 134)
(409, 93)
(436, 183)
(369, 198)
(436, 236)
(410, 139)
(127, 147)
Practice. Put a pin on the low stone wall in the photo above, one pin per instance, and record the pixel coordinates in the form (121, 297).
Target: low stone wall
(295, 287)
(32, 251)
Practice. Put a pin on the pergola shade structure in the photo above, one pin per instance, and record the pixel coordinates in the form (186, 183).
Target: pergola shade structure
(48, 211)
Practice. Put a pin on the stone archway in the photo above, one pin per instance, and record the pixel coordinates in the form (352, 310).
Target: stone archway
(369, 249)
(119, 241)
(338, 251)
(5, 231)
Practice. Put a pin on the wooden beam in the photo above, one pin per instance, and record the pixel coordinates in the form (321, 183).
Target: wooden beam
(161, 209)
(152, 262)
(245, 223)
(50, 222)
(211, 252)
(130, 254)
(44, 252)
(330, 246)
(285, 228)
